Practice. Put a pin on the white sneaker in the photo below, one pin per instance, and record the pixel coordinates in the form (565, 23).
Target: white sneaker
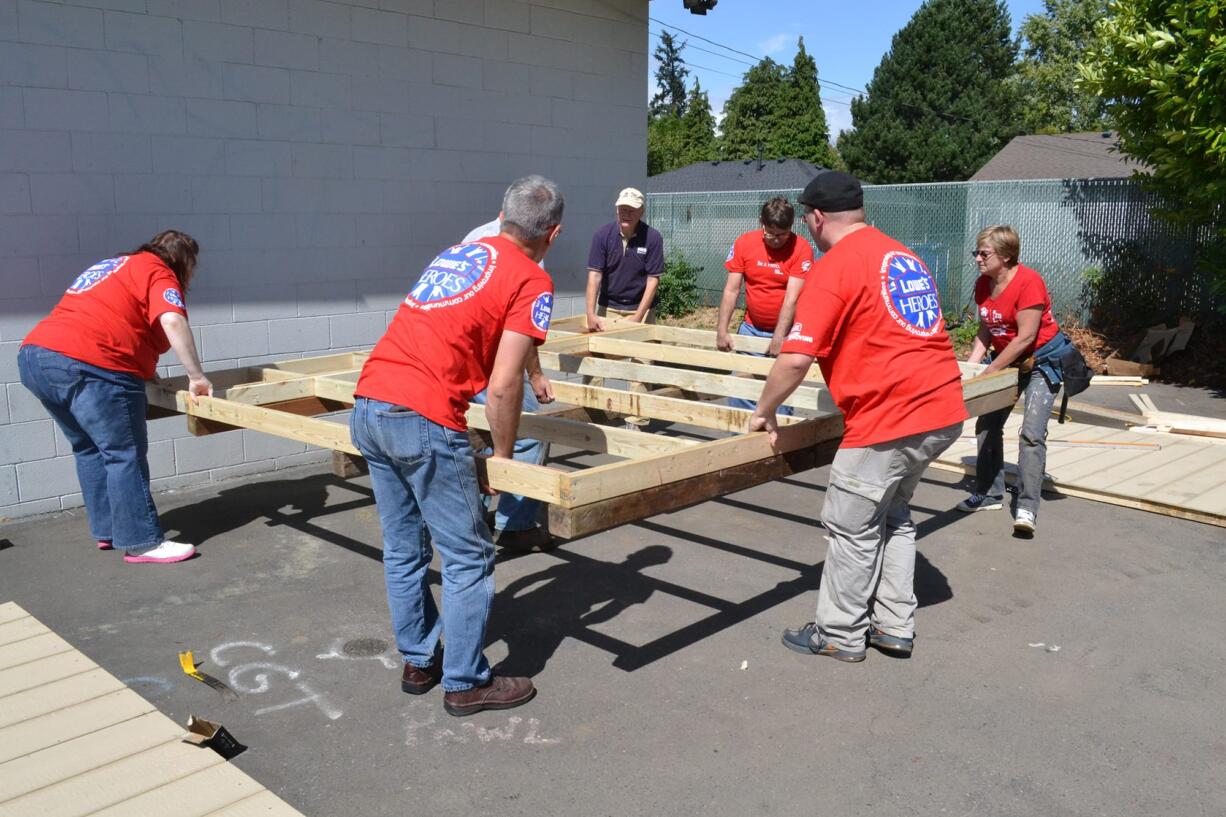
(1024, 522)
(162, 554)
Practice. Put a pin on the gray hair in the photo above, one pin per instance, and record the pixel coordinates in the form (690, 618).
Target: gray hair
(531, 207)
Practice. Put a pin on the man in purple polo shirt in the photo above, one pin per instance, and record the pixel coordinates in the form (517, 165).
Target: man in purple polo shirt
(624, 266)
(623, 271)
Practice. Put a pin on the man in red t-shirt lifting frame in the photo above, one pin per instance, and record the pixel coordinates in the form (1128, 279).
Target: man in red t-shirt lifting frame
(468, 323)
(869, 314)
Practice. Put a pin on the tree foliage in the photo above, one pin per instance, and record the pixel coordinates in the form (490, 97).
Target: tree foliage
(1161, 65)
(940, 103)
(670, 78)
(751, 114)
(677, 141)
(1052, 44)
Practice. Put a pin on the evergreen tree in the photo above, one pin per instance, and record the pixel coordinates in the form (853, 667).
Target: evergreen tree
(664, 138)
(697, 129)
(799, 128)
(751, 113)
(1049, 100)
(670, 78)
(940, 102)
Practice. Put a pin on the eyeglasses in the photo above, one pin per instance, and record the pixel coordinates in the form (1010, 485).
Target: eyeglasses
(985, 254)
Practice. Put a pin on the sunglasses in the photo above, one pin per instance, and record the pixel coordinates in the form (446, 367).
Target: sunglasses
(981, 254)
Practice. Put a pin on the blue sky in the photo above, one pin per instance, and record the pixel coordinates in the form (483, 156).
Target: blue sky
(847, 39)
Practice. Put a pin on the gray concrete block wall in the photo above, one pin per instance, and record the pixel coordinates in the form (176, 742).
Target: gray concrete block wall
(321, 152)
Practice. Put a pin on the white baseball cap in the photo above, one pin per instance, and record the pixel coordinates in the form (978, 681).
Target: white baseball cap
(629, 197)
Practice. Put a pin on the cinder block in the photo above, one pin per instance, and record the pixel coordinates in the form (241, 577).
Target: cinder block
(186, 155)
(26, 442)
(226, 194)
(257, 157)
(224, 118)
(468, 12)
(72, 193)
(387, 230)
(320, 19)
(256, 13)
(217, 42)
(208, 10)
(257, 446)
(40, 66)
(103, 234)
(22, 288)
(322, 161)
(431, 34)
(50, 109)
(27, 509)
(239, 471)
(234, 340)
(8, 487)
(423, 7)
(181, 481)
(360, 329)
(256, 83)
(261, 230)
(298, 335)
(9, 30)
(161, 459)
(8, 361)
(28, 151)
(291, 195)
(167, 428)
(407, 130)
(60, 25)
(156, 193)
(12, 113)
(208, 307)
(132, 113)
(485, 43)
(194, 454)
(143, 33)
(508, 15)
(348, 57)
(349, 127)
(14, 193)
(351, 196)
(111, 153)
(57, 271)
(382, 295)
(329, 298)
(325, 230)
(382, 163)
(289, 123)
(381, 94)
(266, 303)
(176, 75)
(43, 479)
(286, 50)
(312, 456)
(108, 71)
(404, 63)
(32, 235)
(316, 90)
(382, 27)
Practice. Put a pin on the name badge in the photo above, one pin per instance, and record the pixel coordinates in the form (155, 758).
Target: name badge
(641, 250)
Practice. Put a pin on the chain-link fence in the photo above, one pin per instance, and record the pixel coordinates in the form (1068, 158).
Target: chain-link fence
(1093, 240)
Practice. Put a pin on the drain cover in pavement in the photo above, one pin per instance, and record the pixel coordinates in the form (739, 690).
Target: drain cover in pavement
(364, 647)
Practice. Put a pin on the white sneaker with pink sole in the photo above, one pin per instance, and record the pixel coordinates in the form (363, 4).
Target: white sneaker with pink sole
(166, 553)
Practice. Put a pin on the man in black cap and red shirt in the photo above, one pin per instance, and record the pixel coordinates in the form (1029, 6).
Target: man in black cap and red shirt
(870, 316)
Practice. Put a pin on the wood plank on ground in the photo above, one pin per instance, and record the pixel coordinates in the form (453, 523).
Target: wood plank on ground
(48, 698)
(73, 720)
(9, 611)
(202, 794)
(20, 629)
(43, 671)
(32, 649)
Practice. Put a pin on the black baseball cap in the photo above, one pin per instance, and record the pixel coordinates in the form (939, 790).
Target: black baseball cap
(833, 192)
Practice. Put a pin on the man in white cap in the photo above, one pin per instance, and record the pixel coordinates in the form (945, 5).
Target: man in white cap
(623, 271)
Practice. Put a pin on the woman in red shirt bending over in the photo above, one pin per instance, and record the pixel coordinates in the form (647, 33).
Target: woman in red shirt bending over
(1016, 328)
(87, 363)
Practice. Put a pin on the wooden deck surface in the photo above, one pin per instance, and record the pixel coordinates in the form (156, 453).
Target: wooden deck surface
(1179, 475)
(75, 741)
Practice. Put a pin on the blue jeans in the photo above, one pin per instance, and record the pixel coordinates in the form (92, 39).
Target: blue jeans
(102, 413)
(735, 402)
(1038, 397)
(424, 476)
(517, 512)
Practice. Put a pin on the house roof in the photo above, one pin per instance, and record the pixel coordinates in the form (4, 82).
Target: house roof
(748, 174)
(1059, 156)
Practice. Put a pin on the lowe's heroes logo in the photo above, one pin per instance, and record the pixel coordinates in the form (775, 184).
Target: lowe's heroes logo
(542, 311)
(96, 274)
(910, 294)
(454, 276)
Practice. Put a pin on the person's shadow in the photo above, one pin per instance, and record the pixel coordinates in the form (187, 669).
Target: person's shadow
(535, 613)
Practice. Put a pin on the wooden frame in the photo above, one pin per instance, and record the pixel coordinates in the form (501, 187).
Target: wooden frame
(655, 473)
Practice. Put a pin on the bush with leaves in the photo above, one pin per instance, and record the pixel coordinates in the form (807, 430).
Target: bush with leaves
(678, 288)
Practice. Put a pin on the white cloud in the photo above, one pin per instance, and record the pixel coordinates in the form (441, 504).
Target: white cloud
(838, 118)
(776, 43)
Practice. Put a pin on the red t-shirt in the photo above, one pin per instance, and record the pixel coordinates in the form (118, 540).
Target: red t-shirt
(766, 274)
(869, 312)
(439, 349)
(109, 316)
(1025, 291)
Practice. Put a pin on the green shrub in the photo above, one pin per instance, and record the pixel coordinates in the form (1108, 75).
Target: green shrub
(678, 288)
(962, 330)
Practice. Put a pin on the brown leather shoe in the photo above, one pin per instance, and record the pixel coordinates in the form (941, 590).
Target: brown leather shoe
(418, 681)
(500, 692)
